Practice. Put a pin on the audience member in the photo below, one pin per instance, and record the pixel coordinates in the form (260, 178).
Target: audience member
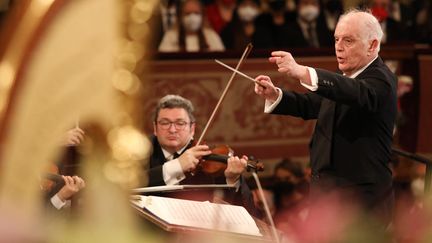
(393, 30)
(271, 29)
(423, 22)
(238, 33)
(190, 34)
(309, 29)
(220, 13)
(404, 13)
(405, 85)
(168, 10)
(332, 10)
(163, 18)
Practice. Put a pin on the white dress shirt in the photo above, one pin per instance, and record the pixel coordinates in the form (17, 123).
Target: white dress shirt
(171, 170)
(58, 203)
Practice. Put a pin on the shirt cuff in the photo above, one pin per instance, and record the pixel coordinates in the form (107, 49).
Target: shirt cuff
(172, 172)
(57, 202)
(269, 106)
(314, 80)
(236, 185)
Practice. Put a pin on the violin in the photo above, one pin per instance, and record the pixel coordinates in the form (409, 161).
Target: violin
(215, 163)
(50, 178)
(55, 178)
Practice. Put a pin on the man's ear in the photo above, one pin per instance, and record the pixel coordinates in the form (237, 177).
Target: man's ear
(373, 46)
(154, 129)
(192, 129)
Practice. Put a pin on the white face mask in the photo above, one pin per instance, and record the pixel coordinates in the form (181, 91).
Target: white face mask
(309, 12)
(247, 13)
(192, 22)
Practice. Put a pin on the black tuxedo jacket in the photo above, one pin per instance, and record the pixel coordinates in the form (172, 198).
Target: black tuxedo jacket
(242, 197)
(351, 143)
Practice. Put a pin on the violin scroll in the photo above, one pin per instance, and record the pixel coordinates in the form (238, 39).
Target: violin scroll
(254, 165)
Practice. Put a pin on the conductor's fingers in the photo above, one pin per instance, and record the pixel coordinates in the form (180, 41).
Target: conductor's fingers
(273, 59)
(279, 53)
(263, 84)
(263, 78)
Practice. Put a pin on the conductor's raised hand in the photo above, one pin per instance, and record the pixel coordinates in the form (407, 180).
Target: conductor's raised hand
(190, 158)
(265, 88)
(286, 64)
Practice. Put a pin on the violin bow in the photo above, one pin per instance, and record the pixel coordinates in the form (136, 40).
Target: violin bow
(245, 54)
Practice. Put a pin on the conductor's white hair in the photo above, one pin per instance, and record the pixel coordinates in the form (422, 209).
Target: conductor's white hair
(370, 25)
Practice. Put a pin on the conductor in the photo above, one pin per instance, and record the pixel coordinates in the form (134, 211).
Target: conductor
(355, 111)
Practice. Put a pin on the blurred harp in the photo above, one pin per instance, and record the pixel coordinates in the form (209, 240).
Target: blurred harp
(57, 60)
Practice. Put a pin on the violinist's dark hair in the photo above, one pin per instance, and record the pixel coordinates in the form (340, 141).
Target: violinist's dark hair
(294, 167)
(174, 101)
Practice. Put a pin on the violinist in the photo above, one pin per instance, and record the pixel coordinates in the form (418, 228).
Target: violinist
(175, 160)
(62, 188)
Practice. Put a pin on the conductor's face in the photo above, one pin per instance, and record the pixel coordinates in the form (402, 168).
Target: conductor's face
(173, 129)
(353, 50)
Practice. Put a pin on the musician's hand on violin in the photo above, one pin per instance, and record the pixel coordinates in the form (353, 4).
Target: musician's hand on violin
(73, 137)
(73, 184)
(236, 166)
(190, 158)
(266, 89)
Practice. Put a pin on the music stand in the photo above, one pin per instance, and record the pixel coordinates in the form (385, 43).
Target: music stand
(185, 231)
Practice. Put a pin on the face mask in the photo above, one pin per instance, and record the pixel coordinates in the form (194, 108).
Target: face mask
(192, 22)
(309, 12)
(247, 13)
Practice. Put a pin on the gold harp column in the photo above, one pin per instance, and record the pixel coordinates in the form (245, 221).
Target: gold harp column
(64, 63)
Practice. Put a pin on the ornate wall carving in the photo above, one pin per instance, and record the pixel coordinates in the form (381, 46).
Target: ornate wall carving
(240, 122)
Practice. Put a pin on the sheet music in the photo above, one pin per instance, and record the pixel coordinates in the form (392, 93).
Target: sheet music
(206, 215)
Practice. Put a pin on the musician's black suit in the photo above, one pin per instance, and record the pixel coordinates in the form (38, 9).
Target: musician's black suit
(351, 145)
(243, 197)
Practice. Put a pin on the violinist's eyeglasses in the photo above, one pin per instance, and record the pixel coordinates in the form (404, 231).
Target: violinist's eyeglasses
(178, 125)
